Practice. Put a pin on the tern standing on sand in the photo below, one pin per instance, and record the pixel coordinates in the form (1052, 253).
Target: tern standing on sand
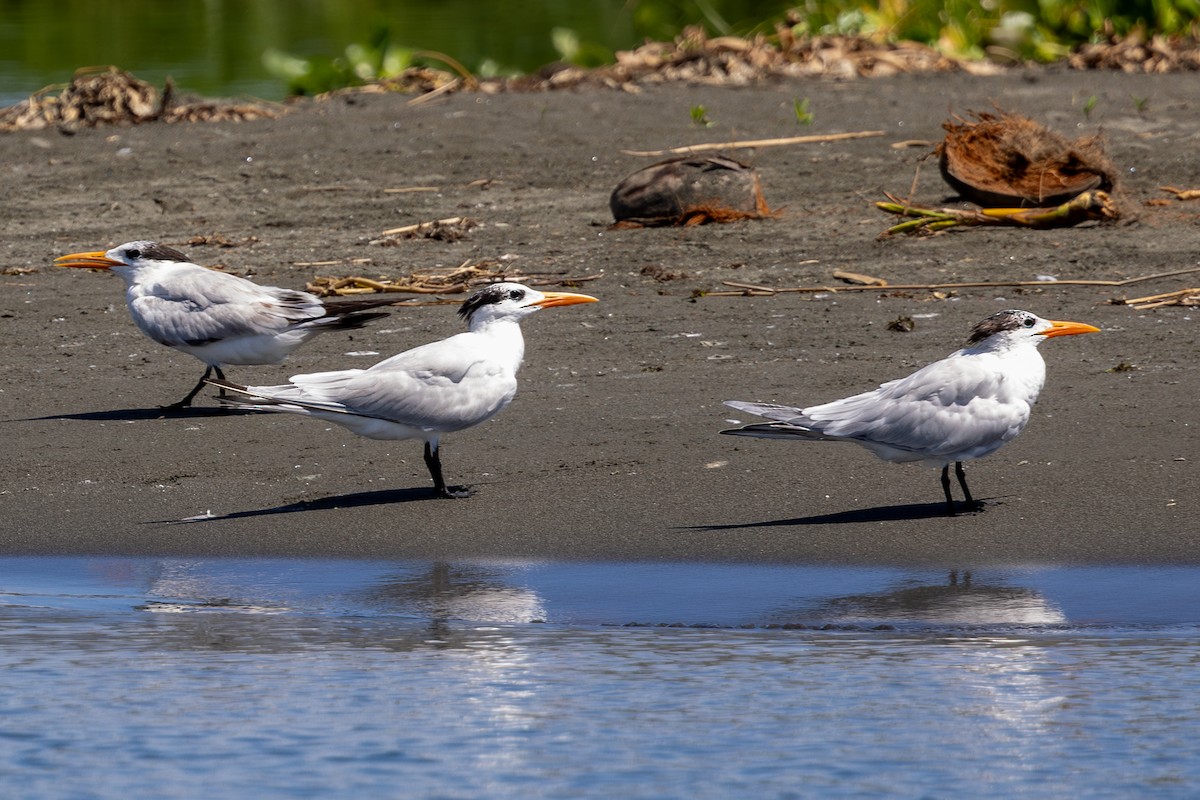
(217, 317)
(963, 407)
(437, 388)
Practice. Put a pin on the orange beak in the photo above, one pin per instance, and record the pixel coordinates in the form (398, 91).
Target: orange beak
(1058, 328)
(563, 299)
(92, 260)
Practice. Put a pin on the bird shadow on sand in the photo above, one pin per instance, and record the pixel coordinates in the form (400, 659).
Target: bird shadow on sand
(382, 497)
(141, 414)
(908, 512)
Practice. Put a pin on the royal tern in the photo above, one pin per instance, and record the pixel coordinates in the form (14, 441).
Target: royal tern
(217, 317)
(963, 407)
(428, 391)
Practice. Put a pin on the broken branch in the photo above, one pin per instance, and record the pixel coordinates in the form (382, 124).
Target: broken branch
(1182, 194)
(422, 226)
(1086, 206)
(1183, 297)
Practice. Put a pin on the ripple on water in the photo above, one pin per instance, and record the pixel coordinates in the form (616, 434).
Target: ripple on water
(177, 678)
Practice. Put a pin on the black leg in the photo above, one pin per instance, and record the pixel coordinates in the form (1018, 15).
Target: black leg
(962, 481)
(946, 489)
(433, 461)
(961, 474)
(187, 401)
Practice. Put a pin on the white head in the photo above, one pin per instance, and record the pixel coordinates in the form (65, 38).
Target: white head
(512, 301)
(1014, 328)
(130, 255)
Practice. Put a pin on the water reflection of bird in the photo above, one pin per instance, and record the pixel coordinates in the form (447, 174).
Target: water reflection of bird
(428, 391)
(965, 602)
(456, 592)
(963, 407)
(214, 316)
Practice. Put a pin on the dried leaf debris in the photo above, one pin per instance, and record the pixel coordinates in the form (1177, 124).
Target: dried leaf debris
(458, 280)
(1137, 53)
(98, 96)
(696, 58)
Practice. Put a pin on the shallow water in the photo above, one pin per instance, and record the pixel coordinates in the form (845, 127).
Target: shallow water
(175, 678)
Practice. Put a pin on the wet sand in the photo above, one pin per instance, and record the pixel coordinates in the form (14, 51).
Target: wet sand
(610, 450)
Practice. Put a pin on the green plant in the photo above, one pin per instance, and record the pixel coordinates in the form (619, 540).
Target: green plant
(573, 50)
(803, 115)
(700, 116)
(1089, 105)
(359, 63)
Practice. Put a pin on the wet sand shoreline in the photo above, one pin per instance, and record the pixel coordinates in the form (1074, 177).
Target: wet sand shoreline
(610, 450)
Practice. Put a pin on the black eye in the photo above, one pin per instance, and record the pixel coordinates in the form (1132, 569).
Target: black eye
(515, 294)
(134, 253)
(1028, 323)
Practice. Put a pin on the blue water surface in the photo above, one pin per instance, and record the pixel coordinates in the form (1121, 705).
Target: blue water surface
(175, 678)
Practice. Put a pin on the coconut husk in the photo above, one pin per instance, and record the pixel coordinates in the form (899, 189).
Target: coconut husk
(689, 190)
(1005, 160)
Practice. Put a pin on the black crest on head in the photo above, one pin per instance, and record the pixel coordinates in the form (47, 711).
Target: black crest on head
(489, 295)
(154, 251)
(1008, 320)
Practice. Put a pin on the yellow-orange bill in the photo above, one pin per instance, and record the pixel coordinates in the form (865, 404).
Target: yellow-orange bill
(1060, 328)
(91, 260)
(564, 299)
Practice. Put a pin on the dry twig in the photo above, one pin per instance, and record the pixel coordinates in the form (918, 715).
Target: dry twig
(420, 226)
(754, 290)
(458, 280)
(1183, 297)
(701, 148)
(1182, 194)
(858, 278)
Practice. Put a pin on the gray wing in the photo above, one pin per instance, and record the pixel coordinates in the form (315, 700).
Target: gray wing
(199, 306)
(953, 406)
(442, 386)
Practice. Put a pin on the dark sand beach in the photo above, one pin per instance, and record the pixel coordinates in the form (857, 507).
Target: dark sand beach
(610, 450)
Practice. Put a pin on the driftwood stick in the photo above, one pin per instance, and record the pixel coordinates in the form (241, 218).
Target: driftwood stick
(701, 148)
(1183, 297)
(332, 263)
(1182, 194)
(752, 290)
(858, 278)
(421, 225)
